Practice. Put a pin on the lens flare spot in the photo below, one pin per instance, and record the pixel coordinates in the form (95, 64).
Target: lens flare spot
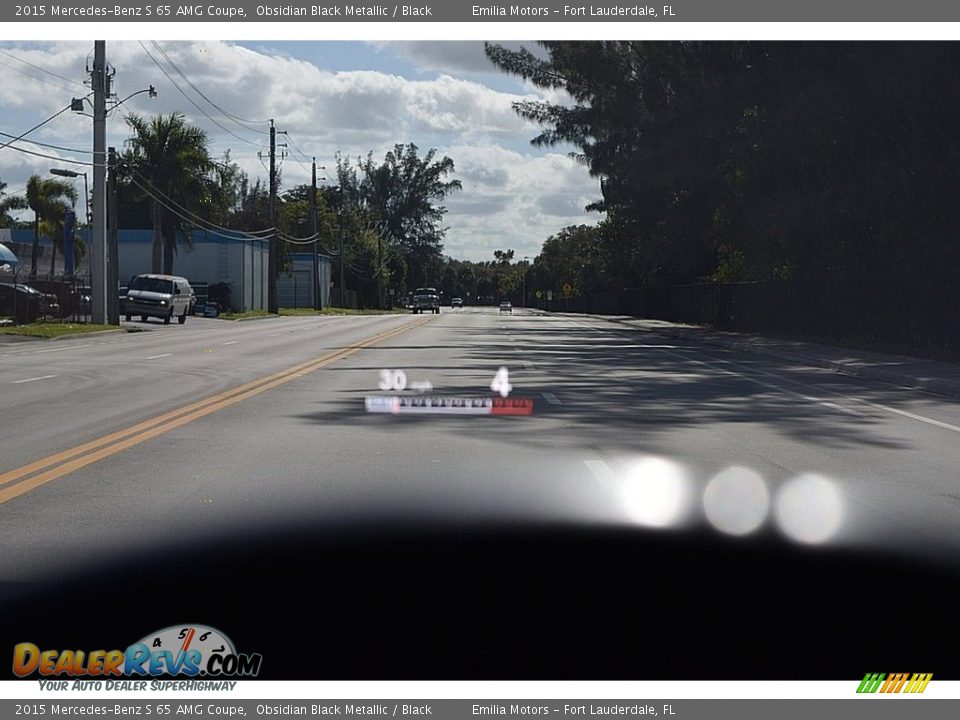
(655, 493)
(736, 501)
(809, 509)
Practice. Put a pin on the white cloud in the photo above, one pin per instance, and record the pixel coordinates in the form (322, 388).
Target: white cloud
(514, 195)
(466, 56)
(502, 203)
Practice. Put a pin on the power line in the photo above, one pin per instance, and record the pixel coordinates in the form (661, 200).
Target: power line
(194, 102)
(37, 78)
(293, 240)
(229, 234)
(36, 127)
(71, 161)
(239, 120)
(43, 69)
(155, 192)
(48, 145)
(296, 148)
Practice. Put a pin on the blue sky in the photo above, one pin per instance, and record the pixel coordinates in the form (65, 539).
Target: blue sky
(346, 97)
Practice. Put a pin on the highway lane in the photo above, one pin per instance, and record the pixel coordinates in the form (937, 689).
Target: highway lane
(608, 399)
(61, 393)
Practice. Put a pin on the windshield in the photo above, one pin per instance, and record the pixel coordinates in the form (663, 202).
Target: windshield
(688, 358)
(149, 284)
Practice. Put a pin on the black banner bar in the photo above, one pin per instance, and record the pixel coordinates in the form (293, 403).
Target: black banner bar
(480, 11)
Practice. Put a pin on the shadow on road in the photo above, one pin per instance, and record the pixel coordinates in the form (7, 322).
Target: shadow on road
(620, 383)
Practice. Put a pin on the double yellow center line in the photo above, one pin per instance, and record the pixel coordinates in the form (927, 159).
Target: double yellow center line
(14, 483)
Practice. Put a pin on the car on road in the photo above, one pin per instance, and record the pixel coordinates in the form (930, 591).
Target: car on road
(456, 302)
(426, 300)
(506, 307)
(160, 296)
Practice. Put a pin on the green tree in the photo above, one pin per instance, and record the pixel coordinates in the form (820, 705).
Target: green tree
(399, 201)
(758, 160)
(168, 160)
(9, 203)
(49, 199)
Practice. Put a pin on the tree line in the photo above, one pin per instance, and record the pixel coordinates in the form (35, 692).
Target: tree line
(387, 214)
(743, 161)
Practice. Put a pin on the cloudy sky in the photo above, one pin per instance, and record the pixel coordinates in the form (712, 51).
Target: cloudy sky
(331, 97)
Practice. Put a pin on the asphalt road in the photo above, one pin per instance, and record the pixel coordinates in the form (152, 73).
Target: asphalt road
(122, 443)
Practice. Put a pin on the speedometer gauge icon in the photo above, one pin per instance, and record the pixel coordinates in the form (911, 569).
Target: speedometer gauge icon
(184, 638)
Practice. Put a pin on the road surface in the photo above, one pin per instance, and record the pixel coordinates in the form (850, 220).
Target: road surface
(123, 443)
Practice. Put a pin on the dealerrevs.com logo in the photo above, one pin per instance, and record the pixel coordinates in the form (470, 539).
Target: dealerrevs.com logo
(894, 683)
(190, 650)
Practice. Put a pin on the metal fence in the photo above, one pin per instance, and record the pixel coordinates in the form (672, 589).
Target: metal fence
(26, 300)
(914, 314)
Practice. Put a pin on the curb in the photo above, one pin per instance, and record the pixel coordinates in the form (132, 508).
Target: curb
(92, 334)
(66, 336)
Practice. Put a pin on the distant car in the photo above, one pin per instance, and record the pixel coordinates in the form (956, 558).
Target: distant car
(426, 300)
(456, 302)
(506, 307)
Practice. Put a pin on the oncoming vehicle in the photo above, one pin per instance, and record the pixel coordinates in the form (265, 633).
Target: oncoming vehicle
(456, 302)
(426, 300)
(506, 307)
(159, 296)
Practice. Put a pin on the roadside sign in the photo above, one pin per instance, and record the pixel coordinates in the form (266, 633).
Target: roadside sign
(539, 294)
(567, 289)
(549, 294)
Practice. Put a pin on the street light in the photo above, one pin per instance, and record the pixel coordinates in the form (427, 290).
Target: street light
(86, 189)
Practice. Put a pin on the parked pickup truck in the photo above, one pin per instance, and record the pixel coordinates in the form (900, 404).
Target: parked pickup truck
(426, 300)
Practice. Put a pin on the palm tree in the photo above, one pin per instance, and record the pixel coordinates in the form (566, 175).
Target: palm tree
(8, 203)
(169, 161)
(48, 200)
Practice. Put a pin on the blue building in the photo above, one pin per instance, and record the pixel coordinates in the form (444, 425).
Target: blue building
(241, 262)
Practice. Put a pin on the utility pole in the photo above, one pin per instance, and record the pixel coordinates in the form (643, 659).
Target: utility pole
(379, 267)
(526, 269)
(343, 290)
(113, 255)
(272, 305)
(314, 230)
(98, 254)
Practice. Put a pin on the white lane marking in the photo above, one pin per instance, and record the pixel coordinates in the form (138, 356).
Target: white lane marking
(827, 404)
(854, 398)
(912, 416)
(56, 349)
(275, 335)
(778, 388)
(528, 365)
(157, 357)
(232, 342)
(602, 473)
(551, 398)
(42, 377)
